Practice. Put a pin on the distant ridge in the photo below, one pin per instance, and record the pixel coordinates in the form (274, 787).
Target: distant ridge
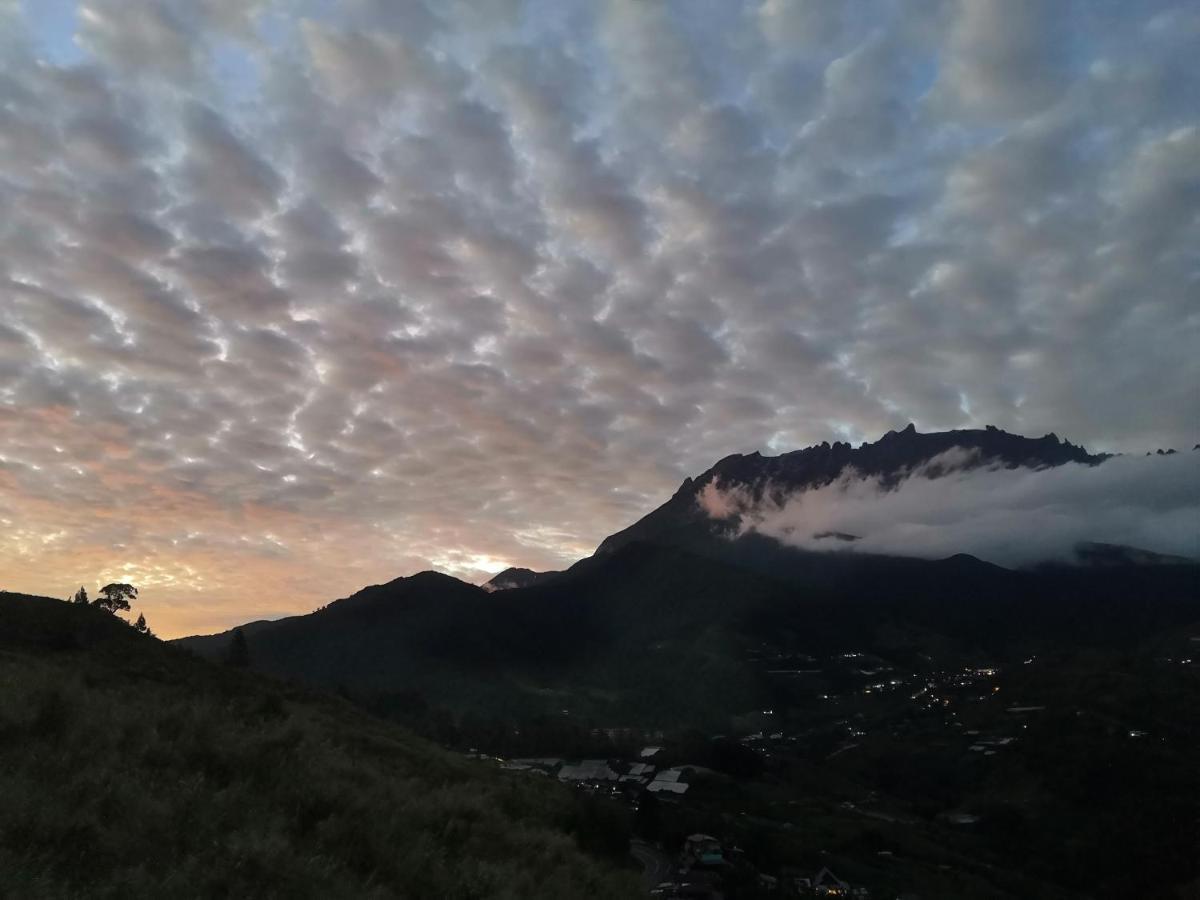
(1093, 553)
(516, 577)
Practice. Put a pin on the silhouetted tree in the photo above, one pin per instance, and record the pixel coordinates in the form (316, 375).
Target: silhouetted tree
(141, 625)
(239, 651)
(80, 596)
(115, 597)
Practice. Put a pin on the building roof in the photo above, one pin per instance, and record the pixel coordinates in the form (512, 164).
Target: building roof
(825, 876)
(588, 770)
(675, 787)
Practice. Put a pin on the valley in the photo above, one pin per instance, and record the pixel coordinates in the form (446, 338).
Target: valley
(963, 780)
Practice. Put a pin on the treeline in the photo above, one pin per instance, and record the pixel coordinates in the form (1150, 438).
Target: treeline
(544, 735)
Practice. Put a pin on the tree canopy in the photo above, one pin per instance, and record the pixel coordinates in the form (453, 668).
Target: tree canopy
(115, 597)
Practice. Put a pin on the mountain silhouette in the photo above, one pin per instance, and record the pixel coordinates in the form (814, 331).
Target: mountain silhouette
(656, 624)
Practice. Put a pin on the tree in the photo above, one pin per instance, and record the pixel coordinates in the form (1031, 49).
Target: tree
(115, 597)
(141, 625)
(239, 652)
(80, 596)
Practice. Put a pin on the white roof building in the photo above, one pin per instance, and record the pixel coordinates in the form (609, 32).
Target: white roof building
(668, 780)
(588, 770)
(674, 787)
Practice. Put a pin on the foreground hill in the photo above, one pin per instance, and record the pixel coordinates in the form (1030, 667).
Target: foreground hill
(131, 769)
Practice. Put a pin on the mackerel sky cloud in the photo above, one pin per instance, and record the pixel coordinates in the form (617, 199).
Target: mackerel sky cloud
(296, 297)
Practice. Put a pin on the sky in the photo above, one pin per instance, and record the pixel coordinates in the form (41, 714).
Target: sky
(297, 297)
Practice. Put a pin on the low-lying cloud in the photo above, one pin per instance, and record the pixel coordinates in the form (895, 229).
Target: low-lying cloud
(1012, 517)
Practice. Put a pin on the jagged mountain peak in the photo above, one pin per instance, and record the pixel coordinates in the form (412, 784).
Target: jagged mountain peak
(894, 455)
(889, 459)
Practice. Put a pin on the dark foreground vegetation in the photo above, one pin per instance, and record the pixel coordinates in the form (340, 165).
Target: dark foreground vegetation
(129, 768)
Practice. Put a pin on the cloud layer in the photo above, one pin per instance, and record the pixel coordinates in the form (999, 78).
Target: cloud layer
(298, 296)
(1012, 517)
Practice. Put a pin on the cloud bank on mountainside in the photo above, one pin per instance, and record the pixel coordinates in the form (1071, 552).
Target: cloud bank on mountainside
(1011, 517)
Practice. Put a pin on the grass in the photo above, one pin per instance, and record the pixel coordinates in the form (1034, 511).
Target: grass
(129, 768)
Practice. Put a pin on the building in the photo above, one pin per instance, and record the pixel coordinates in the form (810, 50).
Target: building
(588, 770)
(704, 850)
(826, 884)
(668, 780)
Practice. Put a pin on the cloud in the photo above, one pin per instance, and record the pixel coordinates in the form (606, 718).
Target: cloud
(1012, 517)
(791, 25)
(143, 38)
(1002, 58)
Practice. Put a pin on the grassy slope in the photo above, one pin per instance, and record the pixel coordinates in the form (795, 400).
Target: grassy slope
(129, 768)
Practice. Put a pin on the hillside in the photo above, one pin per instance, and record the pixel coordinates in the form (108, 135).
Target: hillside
(130, 768)
(580, 642)
(658, 636)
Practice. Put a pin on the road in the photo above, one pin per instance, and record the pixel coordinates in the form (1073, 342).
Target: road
(656, 867)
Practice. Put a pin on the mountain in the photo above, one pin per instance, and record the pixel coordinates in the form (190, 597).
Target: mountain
(681, 520)
(517, 578)
(654, 629)
(928, 726)
(130, 768)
